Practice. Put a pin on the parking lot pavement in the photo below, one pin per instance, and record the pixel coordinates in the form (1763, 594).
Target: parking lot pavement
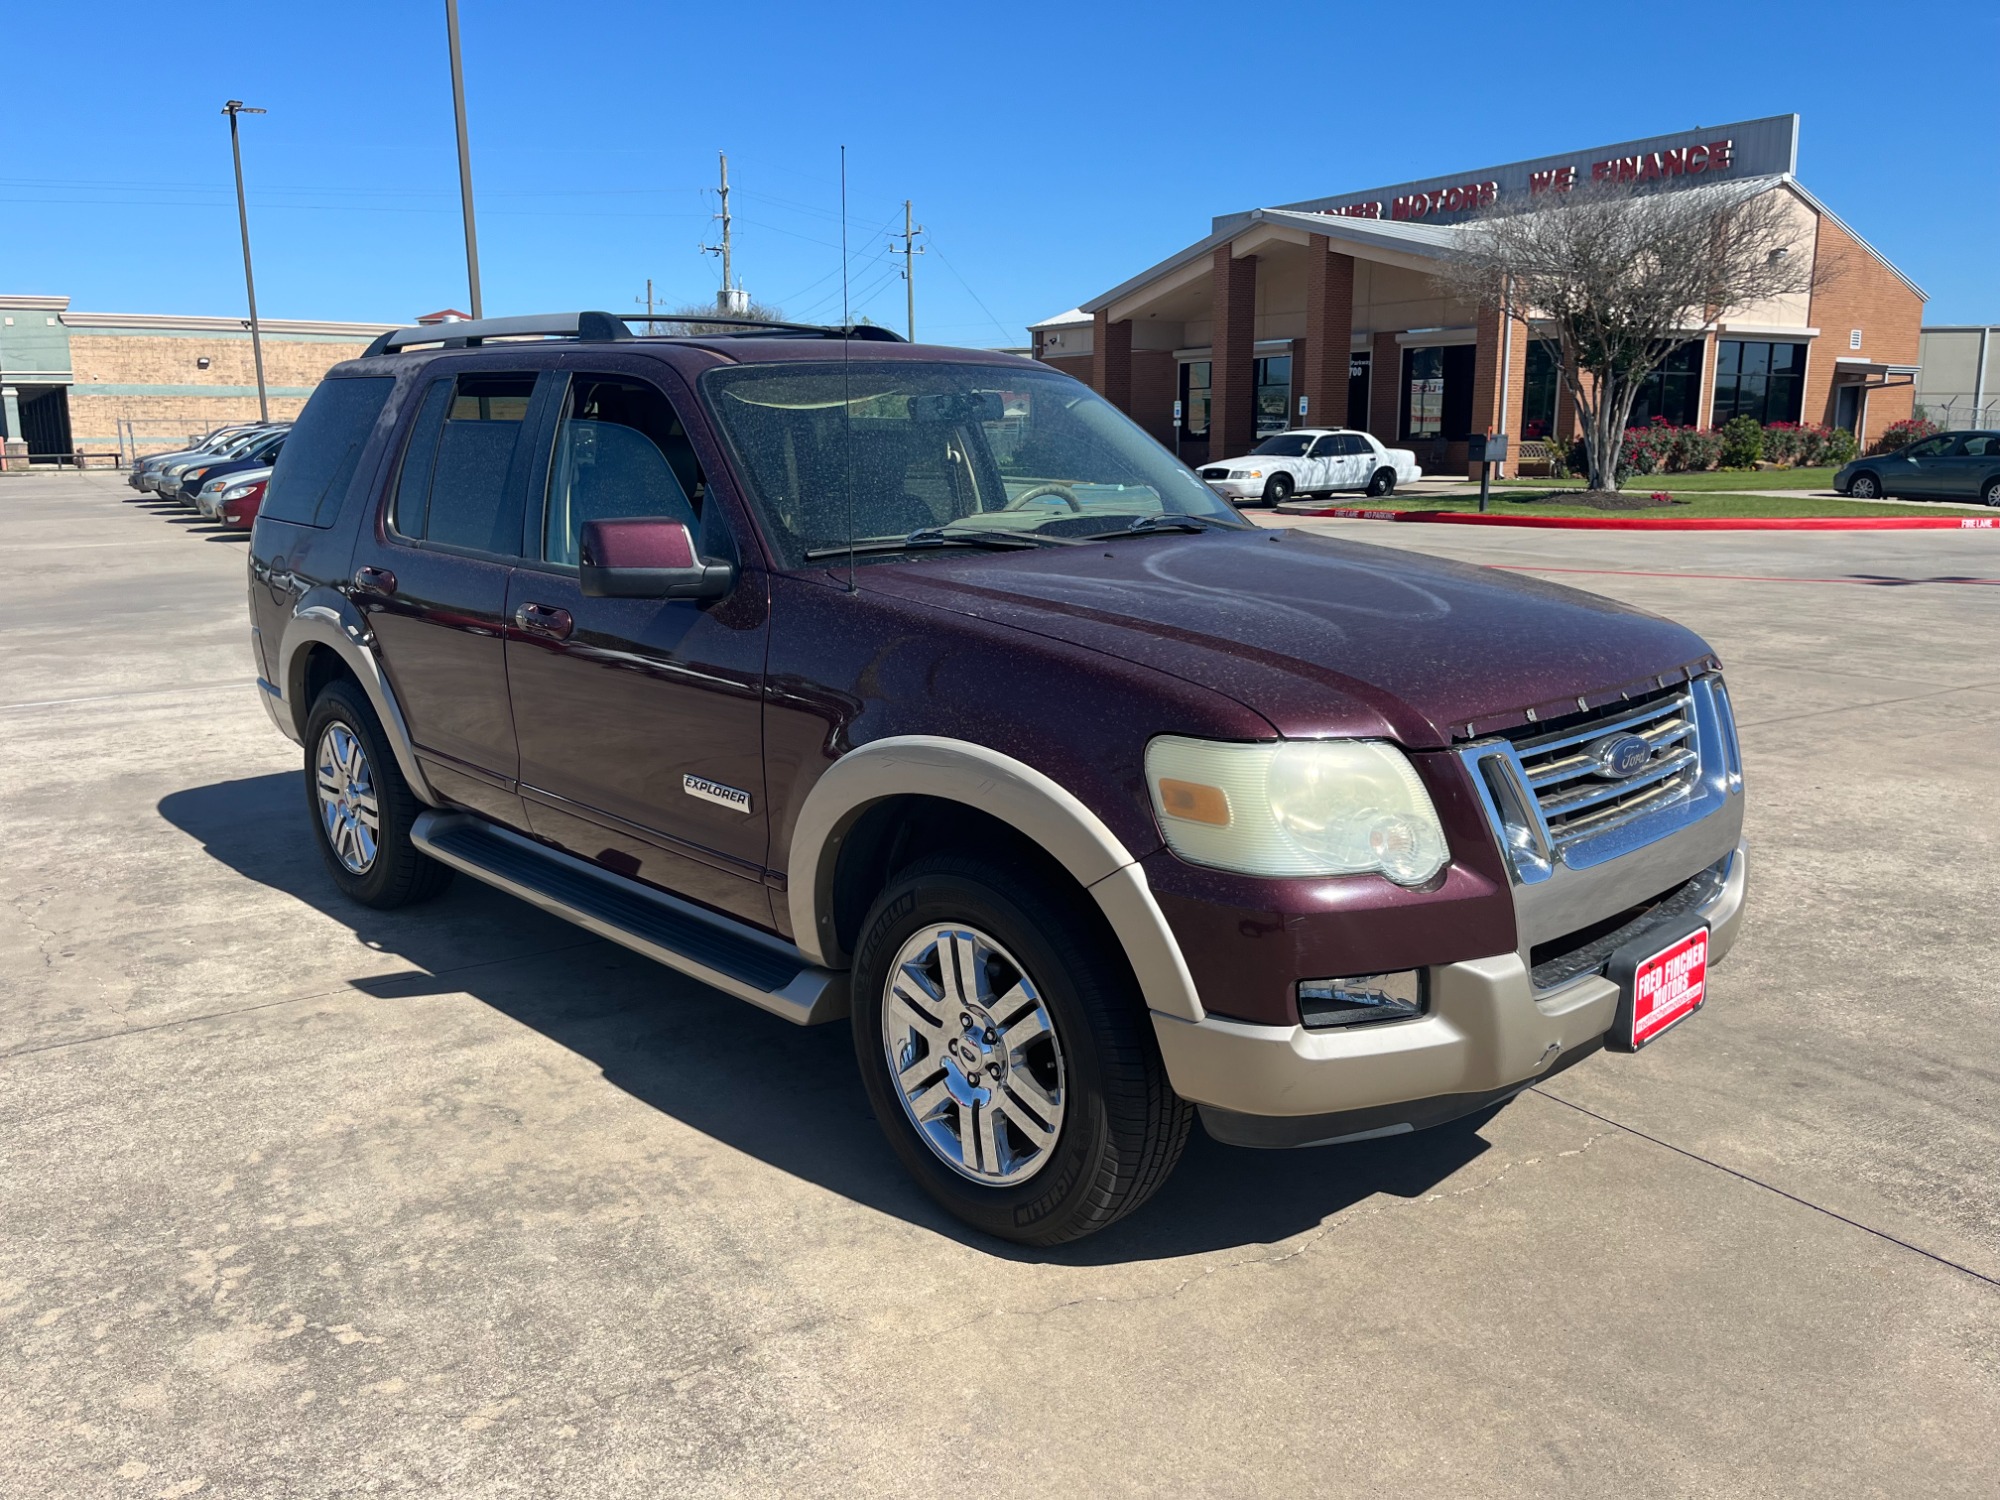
(298, 1199)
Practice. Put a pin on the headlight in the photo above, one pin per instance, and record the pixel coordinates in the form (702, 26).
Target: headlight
(237, 492)
(1297, 807)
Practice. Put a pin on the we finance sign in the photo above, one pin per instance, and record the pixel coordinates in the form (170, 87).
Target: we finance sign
(1748, 148)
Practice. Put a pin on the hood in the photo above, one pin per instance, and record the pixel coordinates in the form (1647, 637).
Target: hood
(1320, 636)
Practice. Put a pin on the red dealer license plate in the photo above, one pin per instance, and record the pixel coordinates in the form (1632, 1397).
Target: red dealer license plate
(1664, 990)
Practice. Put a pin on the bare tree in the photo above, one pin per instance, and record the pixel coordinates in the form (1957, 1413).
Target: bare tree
(1615, 279)
(698, 317)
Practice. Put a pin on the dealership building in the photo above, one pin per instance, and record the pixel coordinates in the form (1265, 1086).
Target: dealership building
(105, 383)
(1329, 312)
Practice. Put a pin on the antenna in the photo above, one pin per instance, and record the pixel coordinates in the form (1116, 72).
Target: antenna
(846, 346)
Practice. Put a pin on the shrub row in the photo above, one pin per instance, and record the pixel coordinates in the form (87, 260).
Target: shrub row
(1662, 448)
(1902, 434)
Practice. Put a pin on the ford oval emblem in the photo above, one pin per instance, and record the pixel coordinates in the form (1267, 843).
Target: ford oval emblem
(1620, 755)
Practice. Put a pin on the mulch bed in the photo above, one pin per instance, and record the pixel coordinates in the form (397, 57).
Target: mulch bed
(1621, 499)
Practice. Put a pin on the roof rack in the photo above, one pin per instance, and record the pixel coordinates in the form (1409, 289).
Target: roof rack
(601, 327)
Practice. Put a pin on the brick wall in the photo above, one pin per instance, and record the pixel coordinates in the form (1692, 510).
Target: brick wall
(1155, 387)
(156, 382)
(1859, 292)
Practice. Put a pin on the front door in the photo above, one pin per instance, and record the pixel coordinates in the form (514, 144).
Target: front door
(637, 718)
(433, 577)
(1323, 465)
(1921, 470)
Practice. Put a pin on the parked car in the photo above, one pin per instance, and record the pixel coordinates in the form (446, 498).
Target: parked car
(259, 453)
(234, 499)
(146, 469)
(164, 478)
(918, 687)
(1309, 460)
(1948, 466)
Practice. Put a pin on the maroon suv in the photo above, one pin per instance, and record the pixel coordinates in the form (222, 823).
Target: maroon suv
(919, 686)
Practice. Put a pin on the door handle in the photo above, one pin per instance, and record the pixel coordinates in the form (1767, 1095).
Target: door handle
(374, 581)
(546, 620)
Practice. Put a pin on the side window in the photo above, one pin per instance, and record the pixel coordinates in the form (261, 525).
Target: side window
(621, 451)
(1327, 447)
(1353, 443)
(413, 478)
(455, 490)
(1929, 448)
(1985, 446)
(324, 446)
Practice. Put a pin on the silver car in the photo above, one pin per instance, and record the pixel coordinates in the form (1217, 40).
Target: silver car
(228, 487)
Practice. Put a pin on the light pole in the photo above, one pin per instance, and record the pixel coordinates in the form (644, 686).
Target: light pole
(464, 156)
(234, 108)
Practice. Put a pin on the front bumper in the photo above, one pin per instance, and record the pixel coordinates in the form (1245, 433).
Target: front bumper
(1238, 489)
(1486, 1035)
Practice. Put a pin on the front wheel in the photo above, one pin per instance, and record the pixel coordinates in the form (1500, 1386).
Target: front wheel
(1382, 482)
(1864, 487)
(1007, 1054)
(1278, 489)
(1991, 494)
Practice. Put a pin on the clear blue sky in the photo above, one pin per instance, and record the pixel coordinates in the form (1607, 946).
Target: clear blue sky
(1052, 150)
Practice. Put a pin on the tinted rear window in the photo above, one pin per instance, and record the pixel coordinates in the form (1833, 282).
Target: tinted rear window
(321, 451)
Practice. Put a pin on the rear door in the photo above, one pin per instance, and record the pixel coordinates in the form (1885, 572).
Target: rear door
(1358, 466)
(434, 575)
(636, 718)
(1963, 471)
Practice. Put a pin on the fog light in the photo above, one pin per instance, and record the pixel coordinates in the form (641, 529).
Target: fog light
(1362, 998)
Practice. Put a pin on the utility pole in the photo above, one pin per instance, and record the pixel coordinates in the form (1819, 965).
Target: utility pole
(464, 158)
(649, 304)
(234, 108)
(727, 300)
(911, 249)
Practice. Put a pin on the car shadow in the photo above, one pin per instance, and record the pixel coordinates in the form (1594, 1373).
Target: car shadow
(788, 1095)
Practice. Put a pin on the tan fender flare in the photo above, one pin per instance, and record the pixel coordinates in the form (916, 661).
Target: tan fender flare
(342, 627)
(1017, 794)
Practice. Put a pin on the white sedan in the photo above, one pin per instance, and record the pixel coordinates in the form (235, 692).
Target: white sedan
(1309, 459)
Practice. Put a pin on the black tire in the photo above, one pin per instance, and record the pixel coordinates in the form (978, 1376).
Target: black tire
(1277, 489)
(1991, 494)
(1864, 486)
(1381, 483)
(1122, 1127)
(398, 874)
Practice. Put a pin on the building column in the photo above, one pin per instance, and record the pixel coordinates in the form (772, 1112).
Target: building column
(1385, 390)
(1500, 349)
(1111, 360)
(13, 448)
(1321, 377)
(1232, 411)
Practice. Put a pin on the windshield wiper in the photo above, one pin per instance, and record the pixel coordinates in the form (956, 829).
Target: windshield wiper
(1160, 522)
(929, 536)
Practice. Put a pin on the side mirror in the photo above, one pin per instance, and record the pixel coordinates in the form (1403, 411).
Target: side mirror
(648, 557)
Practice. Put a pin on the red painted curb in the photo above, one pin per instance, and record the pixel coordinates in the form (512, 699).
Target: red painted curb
(1692, 523)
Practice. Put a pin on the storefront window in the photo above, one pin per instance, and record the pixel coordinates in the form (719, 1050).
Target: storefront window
(1758, 380)
(1194, 398)
(1274, 394)
(1423, 393)
(1538, 394)
(1672, 392)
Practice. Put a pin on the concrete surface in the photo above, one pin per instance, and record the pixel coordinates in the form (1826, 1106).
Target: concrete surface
(298, 1199)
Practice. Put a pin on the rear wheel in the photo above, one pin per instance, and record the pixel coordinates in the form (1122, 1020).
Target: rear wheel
(1991, 494)
(361, 807)
(1864, 487)
(1278, 489)
(1383, 481)
(1007, 1054)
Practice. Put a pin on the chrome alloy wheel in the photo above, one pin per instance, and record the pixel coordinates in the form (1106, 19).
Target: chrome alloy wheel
(974, 1054)
(347, 807)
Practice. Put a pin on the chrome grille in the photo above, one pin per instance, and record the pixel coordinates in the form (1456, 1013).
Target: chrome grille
(1579, 799)
(1214, 473)
(1574, 793)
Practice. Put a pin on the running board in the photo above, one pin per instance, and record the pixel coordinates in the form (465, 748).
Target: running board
(732, 956)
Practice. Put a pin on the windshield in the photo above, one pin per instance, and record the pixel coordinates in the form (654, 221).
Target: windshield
(1286, 445)
(958, 447)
